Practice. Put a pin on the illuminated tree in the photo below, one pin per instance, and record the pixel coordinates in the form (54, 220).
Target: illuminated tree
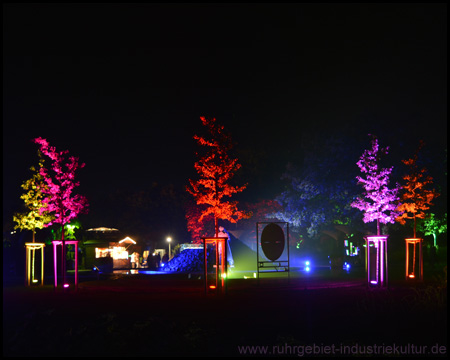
(197, 228)
(415, 197)
(432, 225)
(34, 218)
(60, 183)
(216, 168)
(378, 202)
(318, 192)
(69, 231)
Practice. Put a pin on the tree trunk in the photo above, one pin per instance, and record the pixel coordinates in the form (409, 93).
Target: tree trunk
(378, 227)
(414, 225)
(216, 226)
(32, 260)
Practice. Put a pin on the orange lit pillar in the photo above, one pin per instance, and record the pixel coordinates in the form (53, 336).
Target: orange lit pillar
(410, 271)
(220, 275)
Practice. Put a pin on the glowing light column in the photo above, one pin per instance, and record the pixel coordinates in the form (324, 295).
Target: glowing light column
(30, 255)
(169, 239)
(221, 265)
(66, 242)
(377, 264)
(411, 270)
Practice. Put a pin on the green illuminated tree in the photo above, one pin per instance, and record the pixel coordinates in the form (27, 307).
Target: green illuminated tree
(433, 225)
(33, 198)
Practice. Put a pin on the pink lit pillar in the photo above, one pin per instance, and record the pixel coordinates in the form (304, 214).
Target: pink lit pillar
(76, 265)
(55, 270)
(379, 275)
(63, 244)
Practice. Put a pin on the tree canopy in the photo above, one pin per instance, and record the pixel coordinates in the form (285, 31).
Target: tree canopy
(216, 168)
(60, 183)
(34, 218)
(378, 201)
(416, 194)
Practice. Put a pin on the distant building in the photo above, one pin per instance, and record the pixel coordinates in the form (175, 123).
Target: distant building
(109, 250)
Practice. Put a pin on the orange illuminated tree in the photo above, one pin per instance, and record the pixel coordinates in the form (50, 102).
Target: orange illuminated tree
(216, 168)
(416, 196)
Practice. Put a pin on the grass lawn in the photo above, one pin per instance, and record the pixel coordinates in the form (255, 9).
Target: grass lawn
(169, 315)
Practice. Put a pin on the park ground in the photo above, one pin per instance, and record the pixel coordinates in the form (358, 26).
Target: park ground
(170, 315)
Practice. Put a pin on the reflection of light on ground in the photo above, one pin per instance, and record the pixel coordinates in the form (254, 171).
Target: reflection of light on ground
(296, 272)
(153, 272)
(126, 272)
(138, 271)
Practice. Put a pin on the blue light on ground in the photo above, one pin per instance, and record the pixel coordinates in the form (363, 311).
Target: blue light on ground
(153, 272)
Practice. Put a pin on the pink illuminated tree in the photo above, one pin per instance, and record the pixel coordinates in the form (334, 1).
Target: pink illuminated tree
(378, 202)
(59, 199)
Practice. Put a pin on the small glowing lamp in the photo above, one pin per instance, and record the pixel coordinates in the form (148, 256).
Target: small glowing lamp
(212, 286)
(307, 268)
(66, 285)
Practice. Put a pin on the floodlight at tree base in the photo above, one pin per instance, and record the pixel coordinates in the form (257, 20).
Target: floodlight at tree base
(414, 260)
(377, 264)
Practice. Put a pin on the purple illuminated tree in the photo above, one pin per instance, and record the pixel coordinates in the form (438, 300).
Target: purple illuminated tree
(378, 202)
(59, 199)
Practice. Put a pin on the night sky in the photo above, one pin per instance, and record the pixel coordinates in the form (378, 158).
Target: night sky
(123, 86)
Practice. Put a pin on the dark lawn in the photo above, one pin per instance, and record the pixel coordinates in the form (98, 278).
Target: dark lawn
(169, 315)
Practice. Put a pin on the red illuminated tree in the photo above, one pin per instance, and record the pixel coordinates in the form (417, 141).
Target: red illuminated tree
(197, 228)
(59, 199)
(216, 168)
(416, 196)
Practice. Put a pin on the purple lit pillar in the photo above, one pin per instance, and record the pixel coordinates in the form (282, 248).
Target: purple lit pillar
(380, 266)
(76, 265)
(55, 272)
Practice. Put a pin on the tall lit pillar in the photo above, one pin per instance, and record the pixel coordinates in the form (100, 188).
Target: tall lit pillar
(414, 268)
(30, 263)
(377, 263)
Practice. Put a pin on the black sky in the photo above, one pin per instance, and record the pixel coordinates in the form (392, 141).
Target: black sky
(123, 86)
